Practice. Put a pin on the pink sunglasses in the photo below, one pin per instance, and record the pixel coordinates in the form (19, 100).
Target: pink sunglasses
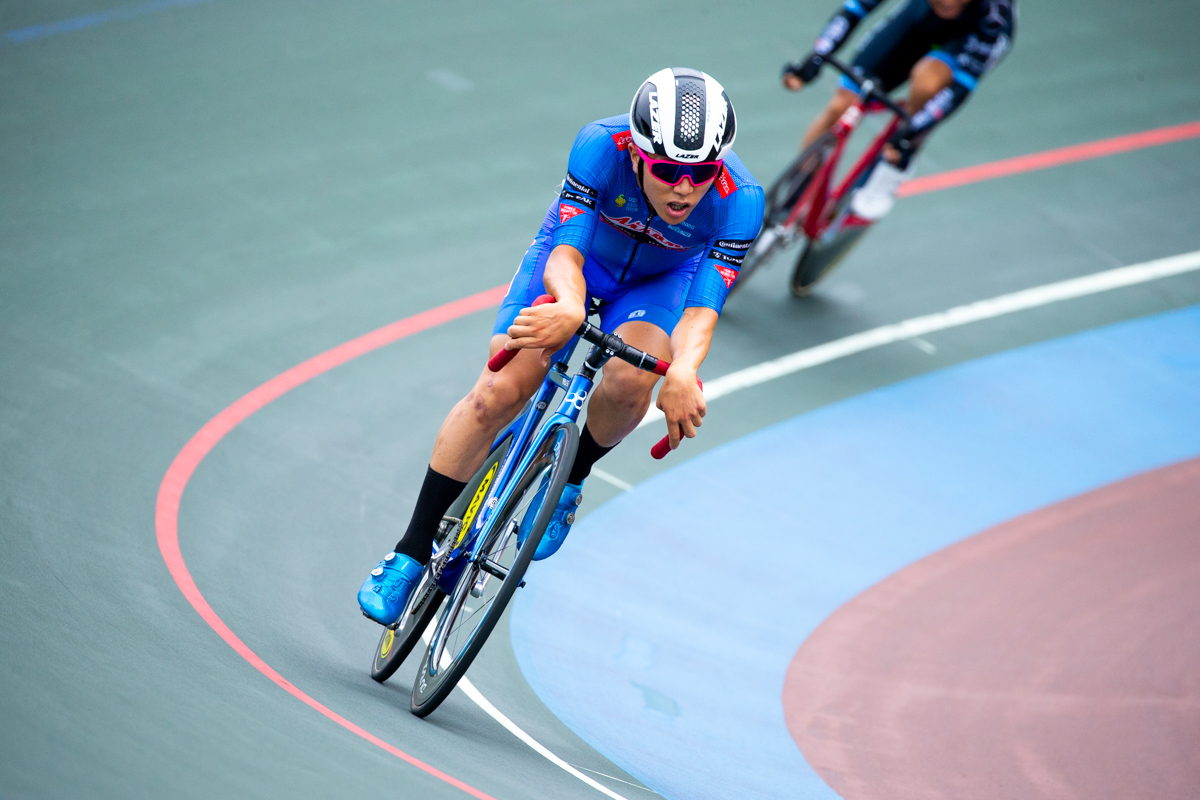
(672, 172)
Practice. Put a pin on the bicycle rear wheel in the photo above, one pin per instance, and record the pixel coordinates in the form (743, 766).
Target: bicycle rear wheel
(486, 585)
(397, 641)
(781, 197)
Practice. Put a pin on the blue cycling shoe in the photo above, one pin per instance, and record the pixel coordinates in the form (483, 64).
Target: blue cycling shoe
(385, 591)
(560, 523)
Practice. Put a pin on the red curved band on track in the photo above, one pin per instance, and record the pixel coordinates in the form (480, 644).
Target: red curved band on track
(1054, 656)
(180, 472)
(170, 491)
(1050, 158)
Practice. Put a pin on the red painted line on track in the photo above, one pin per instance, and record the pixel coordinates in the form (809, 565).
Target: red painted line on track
(170, 491)
(1050, 158)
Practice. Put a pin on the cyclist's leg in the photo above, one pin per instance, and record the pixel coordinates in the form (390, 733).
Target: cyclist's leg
(644, 316)
(471, 426)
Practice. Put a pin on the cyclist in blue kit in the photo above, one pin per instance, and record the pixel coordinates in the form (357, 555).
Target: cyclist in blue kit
(653, 219)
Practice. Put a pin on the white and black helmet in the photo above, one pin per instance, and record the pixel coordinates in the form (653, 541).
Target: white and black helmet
(684, 115)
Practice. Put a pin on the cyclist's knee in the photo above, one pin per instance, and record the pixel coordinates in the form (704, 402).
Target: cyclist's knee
(627, 388)
(498, 396)
(842, 99)
(928, 77)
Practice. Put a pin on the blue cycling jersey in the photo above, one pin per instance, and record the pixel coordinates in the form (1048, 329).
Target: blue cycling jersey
(602, 213)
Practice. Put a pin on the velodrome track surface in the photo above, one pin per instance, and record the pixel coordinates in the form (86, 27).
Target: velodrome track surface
(198, 197)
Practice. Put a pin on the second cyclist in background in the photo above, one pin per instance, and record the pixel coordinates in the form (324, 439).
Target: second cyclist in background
(942, 47)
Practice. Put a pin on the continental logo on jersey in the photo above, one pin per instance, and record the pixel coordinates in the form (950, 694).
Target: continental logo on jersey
(717, 255)
(622, 139)
(566, 212)
(576, 197)
(728, 275)
(725, 183)
(579, 186)
(735, 244)
(636, 226)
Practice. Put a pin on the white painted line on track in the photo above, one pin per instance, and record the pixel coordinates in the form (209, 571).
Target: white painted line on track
(960, 315)
(478, 699)
(470, 691)
(608, 477)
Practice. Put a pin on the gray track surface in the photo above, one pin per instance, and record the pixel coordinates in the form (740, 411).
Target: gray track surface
(193, 201)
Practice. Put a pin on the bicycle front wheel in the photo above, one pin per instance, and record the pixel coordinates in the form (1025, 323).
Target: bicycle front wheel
(486, 584)
(781, 197)
(820, 256)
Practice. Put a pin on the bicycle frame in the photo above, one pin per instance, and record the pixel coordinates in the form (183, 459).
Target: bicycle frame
(817, 196)
(525, 443)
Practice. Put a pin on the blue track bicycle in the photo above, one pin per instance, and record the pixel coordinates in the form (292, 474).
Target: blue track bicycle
(488, 536)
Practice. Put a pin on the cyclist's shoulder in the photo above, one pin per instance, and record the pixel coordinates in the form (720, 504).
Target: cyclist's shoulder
(597, 152)
(604, 136)
(736, 186)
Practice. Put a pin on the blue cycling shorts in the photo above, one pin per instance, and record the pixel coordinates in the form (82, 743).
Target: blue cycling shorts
(657, 299)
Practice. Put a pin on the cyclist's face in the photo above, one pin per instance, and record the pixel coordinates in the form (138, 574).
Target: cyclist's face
(673, 203)
(949, 9)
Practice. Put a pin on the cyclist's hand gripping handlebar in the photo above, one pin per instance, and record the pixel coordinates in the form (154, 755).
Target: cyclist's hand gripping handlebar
(660, 450)
(613, 343)
(501, 359)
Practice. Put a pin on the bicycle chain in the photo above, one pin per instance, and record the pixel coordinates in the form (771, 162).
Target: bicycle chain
(447, 528)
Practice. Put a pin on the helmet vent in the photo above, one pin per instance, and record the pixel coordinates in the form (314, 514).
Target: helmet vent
(689, 113)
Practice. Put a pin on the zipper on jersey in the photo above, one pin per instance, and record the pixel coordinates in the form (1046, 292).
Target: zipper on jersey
(637, 242)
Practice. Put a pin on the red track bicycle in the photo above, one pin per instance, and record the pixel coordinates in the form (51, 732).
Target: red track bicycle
(807, 200)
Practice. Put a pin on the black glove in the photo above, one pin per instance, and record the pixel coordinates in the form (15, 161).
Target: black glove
(806, 70)
(904, 140)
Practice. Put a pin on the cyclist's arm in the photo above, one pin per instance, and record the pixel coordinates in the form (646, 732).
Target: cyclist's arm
(833, 36)
(737, 222)
(842, 24)
(549, 326)
(680, 399)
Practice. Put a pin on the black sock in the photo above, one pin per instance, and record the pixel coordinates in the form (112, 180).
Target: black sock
(589, 453)
(437, 493)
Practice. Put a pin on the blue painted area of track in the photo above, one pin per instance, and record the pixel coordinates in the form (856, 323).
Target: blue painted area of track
(84, 21)
(662, 631)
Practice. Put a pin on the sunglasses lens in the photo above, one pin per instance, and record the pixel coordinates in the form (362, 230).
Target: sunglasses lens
(671, 173)
(703, 173)
(667, 172)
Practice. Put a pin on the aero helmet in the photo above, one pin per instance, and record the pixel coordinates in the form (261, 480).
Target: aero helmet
(683, 115)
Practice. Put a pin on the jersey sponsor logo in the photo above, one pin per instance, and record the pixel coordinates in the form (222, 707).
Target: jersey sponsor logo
(728, 275)
(620, 201)
(728, 259)
(735, 244)
(656, 133)
(566, 212)
(576, 197)
(580, 186)
(641, 312)
(622, 139)
(636, 226)
(725, 184)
